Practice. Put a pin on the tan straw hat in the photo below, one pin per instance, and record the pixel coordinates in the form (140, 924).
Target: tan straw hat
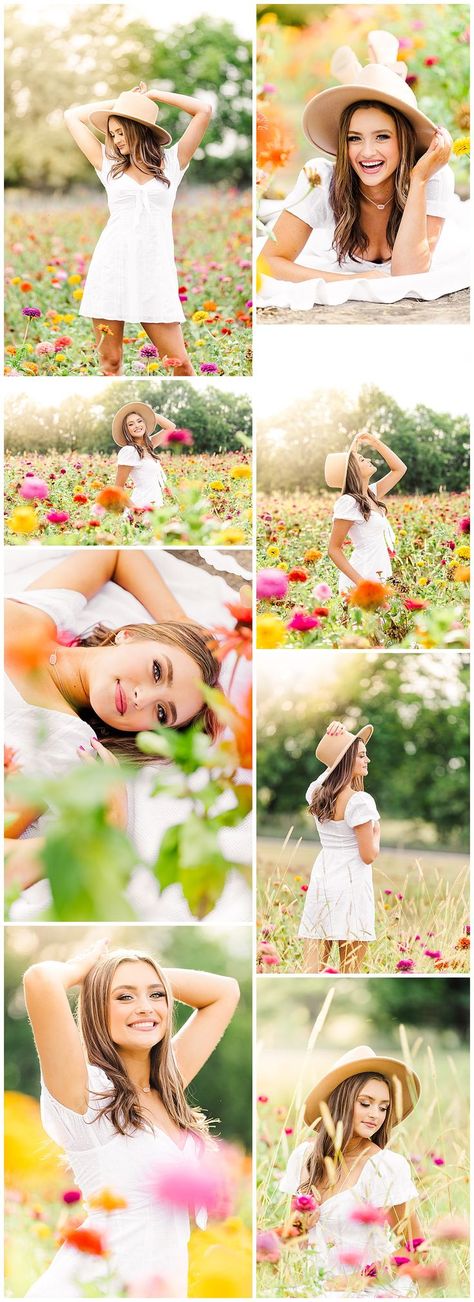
(364, 1059)
(333, 746)
(382, 81)
(142, 409)
(135, 106)
(335, 466)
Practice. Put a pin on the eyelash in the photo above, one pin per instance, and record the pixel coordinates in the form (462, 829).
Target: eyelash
(157, 675)
(157, 994)
(353, 140)
(367, 1105)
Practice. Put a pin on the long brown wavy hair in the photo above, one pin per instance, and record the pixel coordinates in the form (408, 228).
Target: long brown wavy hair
(123, 1106)
(191, 638)
(350, 240)
(341, 1104)
(354, 486)
(323, 802)
(152, 452)
(144, 150)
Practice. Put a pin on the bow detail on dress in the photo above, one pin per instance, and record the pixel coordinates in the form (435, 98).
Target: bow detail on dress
(383, 48)
(142, 204)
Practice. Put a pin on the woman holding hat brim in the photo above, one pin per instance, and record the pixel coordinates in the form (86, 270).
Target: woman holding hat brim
(132, 430)
(365, 1094)
(113, 1096)
(379, 209)
(360, 512)
(132, 276)
(339, 904)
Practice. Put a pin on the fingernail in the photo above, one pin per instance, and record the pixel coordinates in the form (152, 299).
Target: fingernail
(81, 748)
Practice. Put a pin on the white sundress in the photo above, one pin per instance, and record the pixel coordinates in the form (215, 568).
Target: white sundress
(339, 903)
(149, 479)
(371, 539)
(146, 1238)
(385, 1181)
(450, 269)
(132, 276)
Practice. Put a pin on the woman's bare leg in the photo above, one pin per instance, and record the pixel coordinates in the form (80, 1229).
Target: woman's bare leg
(315, 954)
(352, 954)
(169, 340)
(109, 340)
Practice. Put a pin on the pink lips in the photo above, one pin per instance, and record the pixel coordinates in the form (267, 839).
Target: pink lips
(120, 699)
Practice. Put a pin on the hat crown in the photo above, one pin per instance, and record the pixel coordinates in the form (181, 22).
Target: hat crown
(330, 748)
(335, 469)
(377, 77)
(354, 1055)
(134, 104)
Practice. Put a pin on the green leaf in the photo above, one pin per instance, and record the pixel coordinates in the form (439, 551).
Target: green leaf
(89, 864)
(166, 868)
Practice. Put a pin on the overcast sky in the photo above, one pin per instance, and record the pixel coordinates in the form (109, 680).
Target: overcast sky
(419, 364)
(49, 392)
(241, 13)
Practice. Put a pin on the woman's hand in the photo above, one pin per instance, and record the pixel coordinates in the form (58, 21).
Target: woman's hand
(141, 89)
(76, 969)
(117, 801)
(335, 728)
(436, 156)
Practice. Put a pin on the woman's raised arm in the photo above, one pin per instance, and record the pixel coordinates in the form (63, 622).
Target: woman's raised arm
(76, 119)
(288, 239)
(214, 999)
(57, 1039)
(200, 114)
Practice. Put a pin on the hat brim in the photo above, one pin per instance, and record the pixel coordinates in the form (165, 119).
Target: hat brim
(143, 410)
(364, 734)
(100, 119)
(322, 114)
(350, 449)
(390, 1067)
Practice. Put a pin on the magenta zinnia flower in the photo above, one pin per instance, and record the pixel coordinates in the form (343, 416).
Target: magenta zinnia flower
(34, 487)
(271, 583)
(148, 350)
(268, 1246)
(303, 1203)
(208, 368)
(303, 623)
(30, 311)
(57, 517)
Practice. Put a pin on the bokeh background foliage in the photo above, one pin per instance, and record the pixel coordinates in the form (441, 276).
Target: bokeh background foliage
(101, 51)
(191, 947)
(215, 416)
(433, 444)
(297, 42)
(419, 751)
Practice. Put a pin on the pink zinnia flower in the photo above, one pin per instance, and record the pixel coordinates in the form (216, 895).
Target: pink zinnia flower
(464, 524)
(367, 1214)
(194, 1182)
(271, 583)
(350, 1257)
(303, 1203)
(322, 592)
(57, 517)
(303, 623)
(34, 487)
(405, 965)
(72, 1196)
(208, 368)
(44, 349)
(268, 1246)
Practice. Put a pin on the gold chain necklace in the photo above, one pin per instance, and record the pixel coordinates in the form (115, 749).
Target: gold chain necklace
(380, 206)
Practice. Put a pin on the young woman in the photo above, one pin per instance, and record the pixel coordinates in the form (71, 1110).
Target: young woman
(360, 513)
(378, 211)
(132, 430)
(339, 904)
(113, 1097)
(88, 695)
(132, 276)
(367, 1094)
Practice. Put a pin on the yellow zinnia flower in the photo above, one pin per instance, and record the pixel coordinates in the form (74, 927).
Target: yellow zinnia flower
(271, 632)
(23, 520)
(230, 537)
(241, 472)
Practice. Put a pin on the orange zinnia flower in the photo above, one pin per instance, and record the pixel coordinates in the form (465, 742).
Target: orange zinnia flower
(369, 595)
(107, 1201)
(86, 1240)
(275, 142)
(113, 499)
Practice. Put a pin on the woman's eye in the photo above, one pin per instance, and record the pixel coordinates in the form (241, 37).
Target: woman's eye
(161, 714)
(383, 136)
(122, 998)
(157, 671)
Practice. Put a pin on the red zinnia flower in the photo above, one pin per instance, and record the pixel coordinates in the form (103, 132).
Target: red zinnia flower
(298, 576)
(86, 1240)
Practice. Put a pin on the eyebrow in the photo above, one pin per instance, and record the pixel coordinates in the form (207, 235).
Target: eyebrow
(154, 986)
(372, 1098)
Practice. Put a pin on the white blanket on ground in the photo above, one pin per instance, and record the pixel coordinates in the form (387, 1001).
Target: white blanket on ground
(450, 272)
(203, 597)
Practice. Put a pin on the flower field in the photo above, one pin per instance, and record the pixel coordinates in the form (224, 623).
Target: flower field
(70, 499)
(47, 257)
(43, 1209)
(421, 917)
(423, 605)
(438, 1157)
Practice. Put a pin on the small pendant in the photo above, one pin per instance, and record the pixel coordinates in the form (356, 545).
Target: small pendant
(53, 658)
(146, 1089)
(381, 206)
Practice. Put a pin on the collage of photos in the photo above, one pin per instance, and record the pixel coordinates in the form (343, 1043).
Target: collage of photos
(236, 557)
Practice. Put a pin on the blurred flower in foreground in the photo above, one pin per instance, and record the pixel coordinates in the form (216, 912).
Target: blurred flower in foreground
(368, 595)
(192, 1183)
(220, 1261)
(268, 1246)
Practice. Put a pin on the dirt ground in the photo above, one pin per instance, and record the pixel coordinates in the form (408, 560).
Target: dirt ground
(452, 309)
(243, 556)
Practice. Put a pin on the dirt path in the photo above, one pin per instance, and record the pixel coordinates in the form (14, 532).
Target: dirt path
(452, 309)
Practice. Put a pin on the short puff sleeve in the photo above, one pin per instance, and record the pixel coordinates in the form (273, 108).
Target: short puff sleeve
(309, 198)
(291, 1180)
(346, 508)
(386, 1180)
(74, 1131)
(360, 809)
(106, 164)
(439, 192)
(128, 456)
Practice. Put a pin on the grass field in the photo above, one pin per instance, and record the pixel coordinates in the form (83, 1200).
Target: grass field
(424, 605)
(421, 905)
(211, 502)
(48, 251)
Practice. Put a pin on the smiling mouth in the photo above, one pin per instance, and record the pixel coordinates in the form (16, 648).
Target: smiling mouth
(372, 169)
(142, 1026)
(120, 699)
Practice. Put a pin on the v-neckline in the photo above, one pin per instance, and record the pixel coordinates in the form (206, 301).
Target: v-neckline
(179, 1147)
(351, 1186)
(140, 184)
